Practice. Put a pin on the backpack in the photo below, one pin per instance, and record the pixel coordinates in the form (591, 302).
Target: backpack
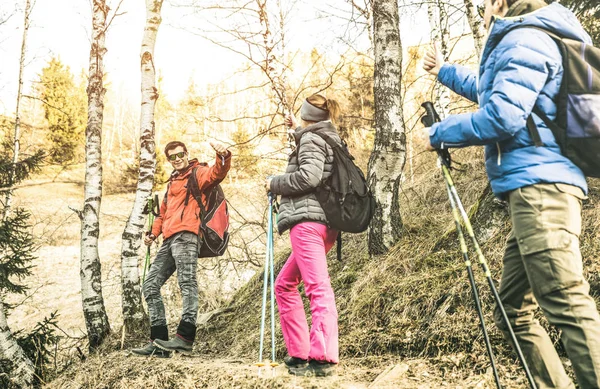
(213, 232)
(345, 197)
(577, 126)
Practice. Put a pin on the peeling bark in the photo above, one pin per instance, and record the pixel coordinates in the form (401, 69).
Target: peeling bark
(389, 150)
(15, 363)
(96, 319)
(133, 312)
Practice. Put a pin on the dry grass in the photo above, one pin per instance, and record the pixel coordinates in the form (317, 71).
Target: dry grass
(414, 302)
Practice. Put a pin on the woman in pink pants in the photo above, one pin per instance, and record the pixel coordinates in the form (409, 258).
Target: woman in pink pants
(311, 352)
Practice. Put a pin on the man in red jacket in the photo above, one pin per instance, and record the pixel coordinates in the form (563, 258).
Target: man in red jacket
(179, 225)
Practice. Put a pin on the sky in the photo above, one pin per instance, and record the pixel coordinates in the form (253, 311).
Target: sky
(62, 28)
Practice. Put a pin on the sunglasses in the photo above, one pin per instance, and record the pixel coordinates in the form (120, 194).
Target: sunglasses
(481, 10)
(173, 157)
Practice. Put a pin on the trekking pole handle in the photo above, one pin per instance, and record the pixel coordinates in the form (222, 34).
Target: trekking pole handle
(431, 116)
(429, 119)
(156, 206)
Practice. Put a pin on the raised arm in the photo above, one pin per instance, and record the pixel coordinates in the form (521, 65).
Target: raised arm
(215, 173)
(520, 73)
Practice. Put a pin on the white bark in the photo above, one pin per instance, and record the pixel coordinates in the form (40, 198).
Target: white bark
(438, 23)
(20, 369)
(389, 151)
(96, 319)
(17, 138)
(133, 314)
(476, 24)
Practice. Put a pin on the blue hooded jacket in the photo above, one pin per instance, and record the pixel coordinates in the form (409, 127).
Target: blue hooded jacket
(519, 69)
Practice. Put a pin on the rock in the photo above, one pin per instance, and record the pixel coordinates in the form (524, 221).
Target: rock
(390, 377)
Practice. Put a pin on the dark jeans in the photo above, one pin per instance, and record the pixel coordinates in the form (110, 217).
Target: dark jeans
(178, 252)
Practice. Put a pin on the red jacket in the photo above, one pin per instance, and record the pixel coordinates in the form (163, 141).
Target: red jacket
(174, 215)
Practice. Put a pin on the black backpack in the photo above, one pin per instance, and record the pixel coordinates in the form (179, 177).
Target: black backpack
(345, 197)
(213, 232)
(577, 126)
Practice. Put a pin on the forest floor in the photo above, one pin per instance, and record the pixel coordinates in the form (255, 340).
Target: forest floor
(120, 370)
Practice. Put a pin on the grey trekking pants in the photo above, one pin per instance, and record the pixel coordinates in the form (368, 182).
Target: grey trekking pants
(542, 265)
(178, 252)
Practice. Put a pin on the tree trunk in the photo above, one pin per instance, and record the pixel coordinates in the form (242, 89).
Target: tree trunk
(19, 368)
(389, 150)
(17, 140)
(476, 24)
(438, 23)
(96, 319)
(133, 313)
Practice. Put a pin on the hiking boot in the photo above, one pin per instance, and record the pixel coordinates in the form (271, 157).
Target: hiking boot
(314, 369)
(175, 344)
(293, 362)
(151, 350)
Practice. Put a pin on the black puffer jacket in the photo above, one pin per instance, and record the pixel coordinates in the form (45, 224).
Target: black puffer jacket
(305, 172)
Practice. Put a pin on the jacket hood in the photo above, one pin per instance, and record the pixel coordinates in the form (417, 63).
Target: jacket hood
(527, 13)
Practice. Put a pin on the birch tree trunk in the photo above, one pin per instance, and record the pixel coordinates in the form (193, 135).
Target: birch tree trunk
(438, 23)
(96, 319)
(17, 140)
(19, 368)
(133, 313)
(389, 151)
(476, 24)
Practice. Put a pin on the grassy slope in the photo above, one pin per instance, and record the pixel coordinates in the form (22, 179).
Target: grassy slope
(416, 301)
(413, 302)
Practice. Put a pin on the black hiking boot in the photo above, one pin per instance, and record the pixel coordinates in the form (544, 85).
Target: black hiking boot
(315, 369)
(293, 362)
(151, 350)
(175, 344)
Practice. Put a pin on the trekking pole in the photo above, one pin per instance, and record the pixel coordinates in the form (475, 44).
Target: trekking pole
(444, 157)
(260, 362)
(463, 249)
(152, 209)
(273, 364)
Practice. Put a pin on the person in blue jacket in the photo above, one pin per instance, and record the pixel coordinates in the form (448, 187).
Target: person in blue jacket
(521, 68)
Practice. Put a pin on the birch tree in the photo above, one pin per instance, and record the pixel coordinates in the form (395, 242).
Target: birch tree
(389, 150)
(19, 368)
(96, 319)
(438, 23)
(133, 314)
(17, 137)
(16, 365)
(476, 24)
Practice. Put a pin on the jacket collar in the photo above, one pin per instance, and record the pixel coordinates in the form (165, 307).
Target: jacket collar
(325, 126)
(176, 174)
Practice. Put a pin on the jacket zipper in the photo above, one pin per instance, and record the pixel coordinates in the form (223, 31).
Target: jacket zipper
(499, 153)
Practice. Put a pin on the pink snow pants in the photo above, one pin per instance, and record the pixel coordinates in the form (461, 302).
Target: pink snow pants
(310, 242)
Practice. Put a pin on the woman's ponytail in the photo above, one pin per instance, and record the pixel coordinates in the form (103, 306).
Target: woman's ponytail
(329, 105)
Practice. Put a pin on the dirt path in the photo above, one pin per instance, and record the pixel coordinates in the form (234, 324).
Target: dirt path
(120, 370)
